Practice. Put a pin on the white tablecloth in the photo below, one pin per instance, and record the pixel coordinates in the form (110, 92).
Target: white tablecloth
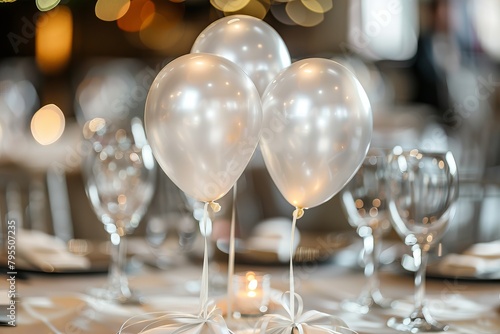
(59, 303)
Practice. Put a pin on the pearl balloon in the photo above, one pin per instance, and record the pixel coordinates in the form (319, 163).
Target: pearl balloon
(203, 118)
(316, 131)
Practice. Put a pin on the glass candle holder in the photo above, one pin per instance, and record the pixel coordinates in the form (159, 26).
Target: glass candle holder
(251, 294)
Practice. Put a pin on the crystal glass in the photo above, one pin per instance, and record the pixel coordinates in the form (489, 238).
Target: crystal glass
(170, 226)
(423, 192)
(364, 203)
(119, 173)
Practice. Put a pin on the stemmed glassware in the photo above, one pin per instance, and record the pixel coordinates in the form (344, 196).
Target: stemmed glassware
(119, 173)
(364, 202)
(170, 225)
(423, 192)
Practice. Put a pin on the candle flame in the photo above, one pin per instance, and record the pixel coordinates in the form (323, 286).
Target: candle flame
(252, 284)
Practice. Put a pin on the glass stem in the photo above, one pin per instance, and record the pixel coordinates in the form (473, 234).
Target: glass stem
(117, 278)
(370, 247)
(420, 257)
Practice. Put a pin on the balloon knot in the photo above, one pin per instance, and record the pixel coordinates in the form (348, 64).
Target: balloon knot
(215, 206)
(298, 213)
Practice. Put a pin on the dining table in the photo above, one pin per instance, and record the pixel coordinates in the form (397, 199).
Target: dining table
(61, 302)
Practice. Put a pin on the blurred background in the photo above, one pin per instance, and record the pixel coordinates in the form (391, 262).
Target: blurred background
(430, 68)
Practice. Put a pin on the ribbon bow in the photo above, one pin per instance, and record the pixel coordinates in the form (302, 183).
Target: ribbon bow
(177, 323)
(303, 323)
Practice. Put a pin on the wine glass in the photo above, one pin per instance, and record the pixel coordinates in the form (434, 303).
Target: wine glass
(170, 225)
(423, 192)
(119, 173)
(364, 202)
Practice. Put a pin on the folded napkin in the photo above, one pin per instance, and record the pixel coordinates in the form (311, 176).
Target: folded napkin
(274, 235)
(486, 250)
(48, 253)
(478, 260)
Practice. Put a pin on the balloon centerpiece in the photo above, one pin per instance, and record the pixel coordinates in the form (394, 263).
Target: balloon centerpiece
(205, 114)
(259, 50)
(203, 119)
(316, 132)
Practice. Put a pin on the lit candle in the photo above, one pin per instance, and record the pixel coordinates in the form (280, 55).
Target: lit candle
(251, 293)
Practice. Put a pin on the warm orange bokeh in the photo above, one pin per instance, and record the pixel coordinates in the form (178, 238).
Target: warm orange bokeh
(139, 16)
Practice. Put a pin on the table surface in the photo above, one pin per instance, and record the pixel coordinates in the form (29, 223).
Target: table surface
(59, 303)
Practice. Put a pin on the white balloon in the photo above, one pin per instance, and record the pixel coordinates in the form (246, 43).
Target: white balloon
(203, 119)
(250, 43)
(316, 131)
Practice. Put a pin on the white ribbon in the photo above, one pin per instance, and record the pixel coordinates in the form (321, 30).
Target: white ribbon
(230, 263)
(304, 323)
(204, 274)
(177, 323)
(207, 321)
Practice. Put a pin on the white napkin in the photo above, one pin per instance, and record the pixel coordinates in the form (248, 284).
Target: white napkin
(47, 253)
(274, 235)
(486, 250)
(479, 259)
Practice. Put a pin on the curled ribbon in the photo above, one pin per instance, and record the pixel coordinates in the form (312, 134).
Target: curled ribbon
(177, 323)
(303, 323)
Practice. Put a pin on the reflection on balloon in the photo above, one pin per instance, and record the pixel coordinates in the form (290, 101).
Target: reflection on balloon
(248, 42)
(316, 131)
(203, 119)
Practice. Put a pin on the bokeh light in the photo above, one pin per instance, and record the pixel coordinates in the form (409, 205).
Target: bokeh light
(111, 10)
(139, 16)
(45, 5)
(302, 16)
(166, 27)
(253, 8)
(110, 89)
(279, 13)
(487, 24)
(47, 124)
(306, 13)
(229, 5)
(318, 6)
(54, 38)
(383, 29)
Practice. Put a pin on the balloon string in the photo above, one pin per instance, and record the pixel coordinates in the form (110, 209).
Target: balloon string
(230, 271)
(204, 275)
(297, 214)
